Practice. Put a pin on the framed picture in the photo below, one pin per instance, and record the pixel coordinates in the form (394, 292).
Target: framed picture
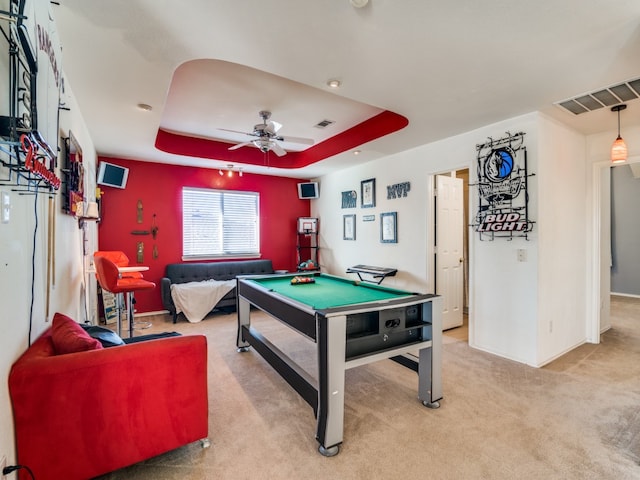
(349, 227)
(389, 227)
(368, 193)
(349, 199)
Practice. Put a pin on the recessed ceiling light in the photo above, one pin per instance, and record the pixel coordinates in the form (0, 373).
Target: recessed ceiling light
(334, 83)
(357, 152)
(359, 3)
(145, 107)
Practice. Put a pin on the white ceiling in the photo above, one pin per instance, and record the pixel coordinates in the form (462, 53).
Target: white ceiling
(448, 67)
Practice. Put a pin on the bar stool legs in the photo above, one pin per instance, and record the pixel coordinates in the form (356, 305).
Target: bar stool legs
(119, 308)
(133, 325)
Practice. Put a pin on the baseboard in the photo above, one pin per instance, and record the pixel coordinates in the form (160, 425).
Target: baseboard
(627, 295)
(148, 314)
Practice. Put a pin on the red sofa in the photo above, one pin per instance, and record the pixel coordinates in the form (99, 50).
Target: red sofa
(80, 415)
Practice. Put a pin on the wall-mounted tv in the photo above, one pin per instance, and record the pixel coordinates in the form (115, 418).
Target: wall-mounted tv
(308, 190)
(112, 175)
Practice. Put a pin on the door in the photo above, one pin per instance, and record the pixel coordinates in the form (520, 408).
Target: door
(449, 262)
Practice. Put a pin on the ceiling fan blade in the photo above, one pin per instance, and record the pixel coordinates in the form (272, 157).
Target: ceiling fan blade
(237, 131)
(277, 149)
(304, 141)
(235, 147)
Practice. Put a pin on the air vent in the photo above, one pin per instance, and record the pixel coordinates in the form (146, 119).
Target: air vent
(324, 123)
(604, 97)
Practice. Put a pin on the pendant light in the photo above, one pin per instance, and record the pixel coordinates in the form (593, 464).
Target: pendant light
(619, 148)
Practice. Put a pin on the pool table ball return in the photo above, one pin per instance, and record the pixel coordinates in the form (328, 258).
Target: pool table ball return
(352, 323)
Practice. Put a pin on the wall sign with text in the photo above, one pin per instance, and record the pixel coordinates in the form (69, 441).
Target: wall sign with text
(502, 188)
(29, 119)
(398, 190)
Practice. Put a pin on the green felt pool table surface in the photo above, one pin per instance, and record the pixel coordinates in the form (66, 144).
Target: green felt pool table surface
(330, 292)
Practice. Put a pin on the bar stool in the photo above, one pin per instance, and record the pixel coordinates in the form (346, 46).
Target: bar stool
(110, 280)
(120, 259)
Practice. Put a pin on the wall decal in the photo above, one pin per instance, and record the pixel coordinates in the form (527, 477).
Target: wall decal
(502, 188)
(398, 190)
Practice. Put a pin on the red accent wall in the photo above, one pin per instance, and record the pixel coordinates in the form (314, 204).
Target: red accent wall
(159, 187)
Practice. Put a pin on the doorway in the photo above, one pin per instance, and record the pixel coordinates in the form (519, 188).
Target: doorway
(451, 249)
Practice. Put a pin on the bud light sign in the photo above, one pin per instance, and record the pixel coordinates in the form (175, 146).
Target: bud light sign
(502, 189)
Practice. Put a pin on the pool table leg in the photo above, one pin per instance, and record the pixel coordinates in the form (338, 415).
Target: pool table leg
(244, 319)
(331, 344)
(430, 359)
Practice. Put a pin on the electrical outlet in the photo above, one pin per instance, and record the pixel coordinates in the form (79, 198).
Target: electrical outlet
(522, 255)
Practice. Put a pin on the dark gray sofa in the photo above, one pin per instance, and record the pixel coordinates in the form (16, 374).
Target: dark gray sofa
(198, 272)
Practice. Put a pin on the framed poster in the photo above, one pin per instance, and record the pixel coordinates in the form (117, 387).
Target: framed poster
(389, 227)
(368, 193)
(349, 199)
(349, 227)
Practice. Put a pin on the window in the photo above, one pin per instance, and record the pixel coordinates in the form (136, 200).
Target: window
(219, 223)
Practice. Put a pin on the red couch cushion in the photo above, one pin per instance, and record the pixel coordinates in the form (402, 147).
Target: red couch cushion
(69, 337)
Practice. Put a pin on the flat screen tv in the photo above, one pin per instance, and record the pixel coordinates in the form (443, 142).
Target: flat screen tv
(112, 175)
(308, 190)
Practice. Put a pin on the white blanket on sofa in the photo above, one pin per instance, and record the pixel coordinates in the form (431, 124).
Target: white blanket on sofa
(197, 299)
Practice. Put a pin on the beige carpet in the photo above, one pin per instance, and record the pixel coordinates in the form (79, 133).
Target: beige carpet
(577, 418)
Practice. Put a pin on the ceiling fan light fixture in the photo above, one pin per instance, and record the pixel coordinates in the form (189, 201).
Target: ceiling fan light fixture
(619, 150)
(263, 145)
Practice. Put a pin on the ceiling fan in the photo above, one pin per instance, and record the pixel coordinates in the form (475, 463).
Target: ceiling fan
(266, 136)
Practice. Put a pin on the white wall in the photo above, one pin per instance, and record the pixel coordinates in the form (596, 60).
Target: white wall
(562, 285)
(16, 252)
(503, 291)
(512, 303)
(409, 255)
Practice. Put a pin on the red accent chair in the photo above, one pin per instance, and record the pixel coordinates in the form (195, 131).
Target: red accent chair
(110, 280)
(83, 414)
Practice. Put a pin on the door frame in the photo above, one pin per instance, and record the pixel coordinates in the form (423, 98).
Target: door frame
(431, 234)
(599, 202)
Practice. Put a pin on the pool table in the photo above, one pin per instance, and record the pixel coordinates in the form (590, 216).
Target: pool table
(352, 323)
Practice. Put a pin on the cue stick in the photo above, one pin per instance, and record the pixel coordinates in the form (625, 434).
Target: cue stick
(53, 244)
(49, 226)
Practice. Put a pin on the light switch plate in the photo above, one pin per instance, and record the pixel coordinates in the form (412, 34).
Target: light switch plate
(6, 207)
